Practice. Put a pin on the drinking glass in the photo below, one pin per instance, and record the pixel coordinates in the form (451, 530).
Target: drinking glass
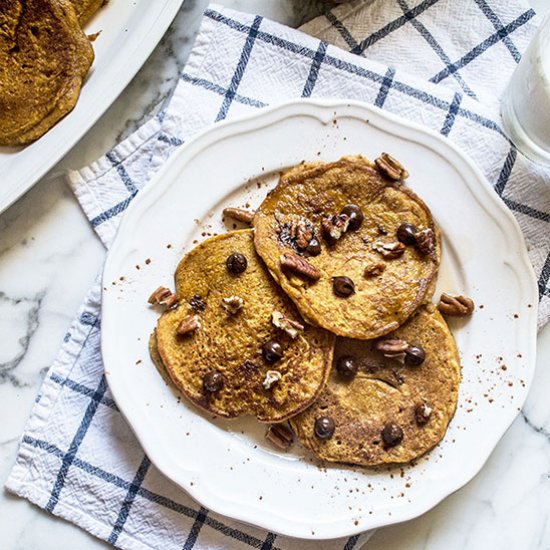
(525, 104)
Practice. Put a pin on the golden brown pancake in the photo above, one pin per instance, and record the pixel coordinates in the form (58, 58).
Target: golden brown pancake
(44, 58)
(229, 344)
(389, 284)
(86, 8)
(386, 393)
(157, 359)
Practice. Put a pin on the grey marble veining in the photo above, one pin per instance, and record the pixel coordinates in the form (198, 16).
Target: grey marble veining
(49, 257)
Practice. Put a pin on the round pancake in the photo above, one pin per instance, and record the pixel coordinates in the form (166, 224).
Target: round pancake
(44, 57)
(387, 391)
(381, 302)
(86, 8)
(232, 344)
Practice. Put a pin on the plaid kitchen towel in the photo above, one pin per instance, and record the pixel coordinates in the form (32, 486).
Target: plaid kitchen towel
(78, 459)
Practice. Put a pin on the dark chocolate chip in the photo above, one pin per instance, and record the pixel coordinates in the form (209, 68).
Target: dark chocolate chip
(314, 247)
(212, 382)
(324, 427)
(422, 413)
(414, 356)
(272, 351)
(346, 366)
(406, 233)
(236, 263)
(343, 286)
(355, 215)
(392, 435)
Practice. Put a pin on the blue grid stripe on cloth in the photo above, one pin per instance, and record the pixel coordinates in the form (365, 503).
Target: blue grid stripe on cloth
(195, 528)
(268, 542)
(506, 171)
(119, 167)
(69, 456)
(314, 70)
(84, 390)
(502, 33)
(497, 23)
(387, 82)
(436, 47)
(451, 115)
(129, 500)
(239, 70)
(393, 26)
(220, 90)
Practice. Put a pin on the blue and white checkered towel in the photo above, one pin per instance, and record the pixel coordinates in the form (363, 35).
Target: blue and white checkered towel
(441, 63)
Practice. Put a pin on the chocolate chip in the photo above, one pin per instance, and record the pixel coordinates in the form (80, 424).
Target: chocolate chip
(346, 366)
(236, 263)
(422, 413)
(414, 356)
(392, 435)
(272, 351)
(212, 382)
(355, 215)
(406, 233)
(324, 427)
(314, 247)
(343, 286)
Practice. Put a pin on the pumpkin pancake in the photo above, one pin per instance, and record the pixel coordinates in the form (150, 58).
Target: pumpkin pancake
(328, 234)
(44, 57)
(388, 412)
(86, 8)
(221, 346)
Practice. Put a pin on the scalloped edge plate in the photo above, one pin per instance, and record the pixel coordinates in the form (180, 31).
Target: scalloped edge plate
(226, 466)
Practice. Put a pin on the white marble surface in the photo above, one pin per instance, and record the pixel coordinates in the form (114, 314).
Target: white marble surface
(49, 257)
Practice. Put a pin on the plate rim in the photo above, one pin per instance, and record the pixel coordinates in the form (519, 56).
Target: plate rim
(478, 185)
(146, 42)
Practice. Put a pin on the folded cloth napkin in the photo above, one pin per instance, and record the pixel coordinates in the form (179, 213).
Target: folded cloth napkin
(78, 459)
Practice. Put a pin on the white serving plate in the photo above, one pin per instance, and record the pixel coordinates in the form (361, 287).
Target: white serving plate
(130, 29)
(226, 465)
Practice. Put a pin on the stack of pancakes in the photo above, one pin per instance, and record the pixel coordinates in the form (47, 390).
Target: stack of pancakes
(44, 59)
(320, 315)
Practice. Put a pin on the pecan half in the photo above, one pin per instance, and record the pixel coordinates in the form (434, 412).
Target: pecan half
(271, 377)
(197, 303)
(333, 227)
(392, 348)
(239, 214)
(164, 297)
(374, 268)
(425, 241)
(299, 266)
(422, 413)
(280, 435)
(389, 250)
(232, 304)
(455, 306)
(302, 231)
(291, 327)
(391, 167)
(189, 323)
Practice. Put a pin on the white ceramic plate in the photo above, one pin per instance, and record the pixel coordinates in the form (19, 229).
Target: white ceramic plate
(226, 465)
(130, 29)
